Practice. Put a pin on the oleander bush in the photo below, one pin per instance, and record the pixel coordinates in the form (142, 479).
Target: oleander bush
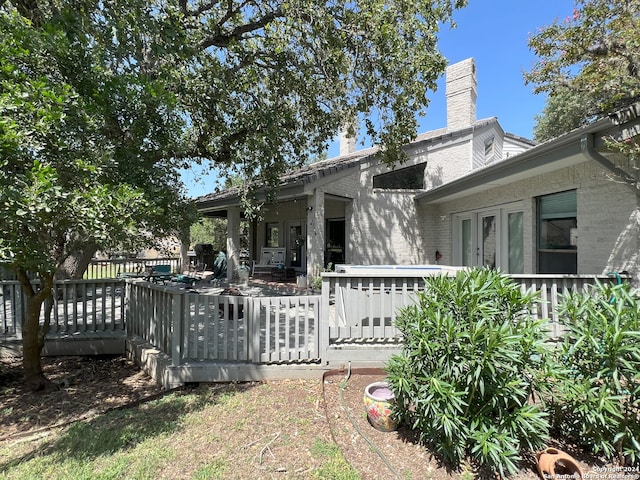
(472, 364)
(596, 400)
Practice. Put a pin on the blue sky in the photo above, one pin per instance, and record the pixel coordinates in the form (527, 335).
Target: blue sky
(494, 33)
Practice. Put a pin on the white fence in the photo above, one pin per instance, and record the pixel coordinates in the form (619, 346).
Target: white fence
(353, 319)
(79, 306)
(202, 326)
(365, 307)
(114, 268)
(362, 307)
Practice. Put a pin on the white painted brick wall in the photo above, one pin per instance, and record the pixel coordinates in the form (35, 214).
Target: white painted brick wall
(461, 93)
(383, 226)
(608, 218)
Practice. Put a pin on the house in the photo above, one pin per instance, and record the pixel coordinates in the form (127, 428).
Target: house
(356, 209)
(470, 194)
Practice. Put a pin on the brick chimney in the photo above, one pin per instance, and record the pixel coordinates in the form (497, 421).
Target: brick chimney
(347, 142)
(462, 92)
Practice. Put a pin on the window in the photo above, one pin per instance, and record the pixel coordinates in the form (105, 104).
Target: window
(409, 178)
(557, 227)
(489, 150)
(515, 242)
(273, 239)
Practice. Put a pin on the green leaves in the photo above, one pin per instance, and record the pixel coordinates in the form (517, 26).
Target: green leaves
(597, 399)
(86, 137)
(589, 63)
(595, 50)
(471, 362)
(478, 380)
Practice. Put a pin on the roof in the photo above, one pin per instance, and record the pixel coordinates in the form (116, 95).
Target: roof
(292, 183)
(519, 139)
(553, 154)
(302, 176)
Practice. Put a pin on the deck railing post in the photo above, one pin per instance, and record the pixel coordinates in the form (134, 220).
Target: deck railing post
(21, 311)
(323, 331)
(177, 321)
(126, 307)
(252, 315)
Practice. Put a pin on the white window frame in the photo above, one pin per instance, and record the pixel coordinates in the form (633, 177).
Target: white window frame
(506, 211)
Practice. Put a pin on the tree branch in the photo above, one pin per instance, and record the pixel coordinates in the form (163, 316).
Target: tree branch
(30, 10)
(23, 278)
(223, 152)
(194, 13)
(224, 39)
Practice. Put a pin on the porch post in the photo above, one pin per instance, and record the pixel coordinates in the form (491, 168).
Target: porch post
(184, 249)
(315, 233)
(233, 242)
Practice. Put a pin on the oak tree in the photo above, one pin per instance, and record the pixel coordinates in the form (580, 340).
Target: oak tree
(103, 103)
(589, 65)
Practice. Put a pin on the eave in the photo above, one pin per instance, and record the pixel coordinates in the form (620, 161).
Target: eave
(561, 152)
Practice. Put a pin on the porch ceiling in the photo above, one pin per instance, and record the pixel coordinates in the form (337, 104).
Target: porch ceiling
(217, 207)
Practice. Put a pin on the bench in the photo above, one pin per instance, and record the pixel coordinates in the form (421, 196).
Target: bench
(270, 257)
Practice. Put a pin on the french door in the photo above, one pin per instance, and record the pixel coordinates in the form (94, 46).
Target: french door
(296, 239)
(490, 238)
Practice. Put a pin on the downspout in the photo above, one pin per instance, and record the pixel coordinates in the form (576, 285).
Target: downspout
(588, 150)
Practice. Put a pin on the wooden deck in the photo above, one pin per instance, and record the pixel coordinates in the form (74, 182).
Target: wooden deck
(182, 335)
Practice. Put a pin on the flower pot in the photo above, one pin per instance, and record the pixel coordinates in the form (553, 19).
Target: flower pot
(378, 402)
(553, 463)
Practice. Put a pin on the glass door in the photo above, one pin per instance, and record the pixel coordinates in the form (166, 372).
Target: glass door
(488, 235)
(296, 239)
(490, 238)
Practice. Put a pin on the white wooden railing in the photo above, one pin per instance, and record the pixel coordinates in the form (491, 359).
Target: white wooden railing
(363, 307)
(189, 326)
(203, 326)
(551, 288)
(116, 267)
(79, 306)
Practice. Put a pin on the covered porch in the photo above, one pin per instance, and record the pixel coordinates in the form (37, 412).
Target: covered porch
(312, 228)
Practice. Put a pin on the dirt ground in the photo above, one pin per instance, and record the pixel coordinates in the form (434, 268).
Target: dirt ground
(92, 385)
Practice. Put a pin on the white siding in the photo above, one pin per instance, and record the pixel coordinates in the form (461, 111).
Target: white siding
(513, 147)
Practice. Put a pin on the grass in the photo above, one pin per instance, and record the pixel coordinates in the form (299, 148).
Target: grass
(101, 271)
(335, 467)
(205, 433)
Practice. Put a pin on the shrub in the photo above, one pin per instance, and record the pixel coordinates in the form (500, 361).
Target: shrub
(471, 362)
(596, 401)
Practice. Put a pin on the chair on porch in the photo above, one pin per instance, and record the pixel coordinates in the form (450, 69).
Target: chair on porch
(270, 257)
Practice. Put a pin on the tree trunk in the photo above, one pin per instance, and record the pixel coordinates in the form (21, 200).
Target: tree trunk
(32, 340)
(76, 264)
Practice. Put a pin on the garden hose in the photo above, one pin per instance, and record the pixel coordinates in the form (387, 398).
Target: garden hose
(617, 275)
(612, 300)
(343, 385)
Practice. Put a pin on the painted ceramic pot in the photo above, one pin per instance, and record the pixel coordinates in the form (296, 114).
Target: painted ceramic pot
(552, 463)
(378, 402)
